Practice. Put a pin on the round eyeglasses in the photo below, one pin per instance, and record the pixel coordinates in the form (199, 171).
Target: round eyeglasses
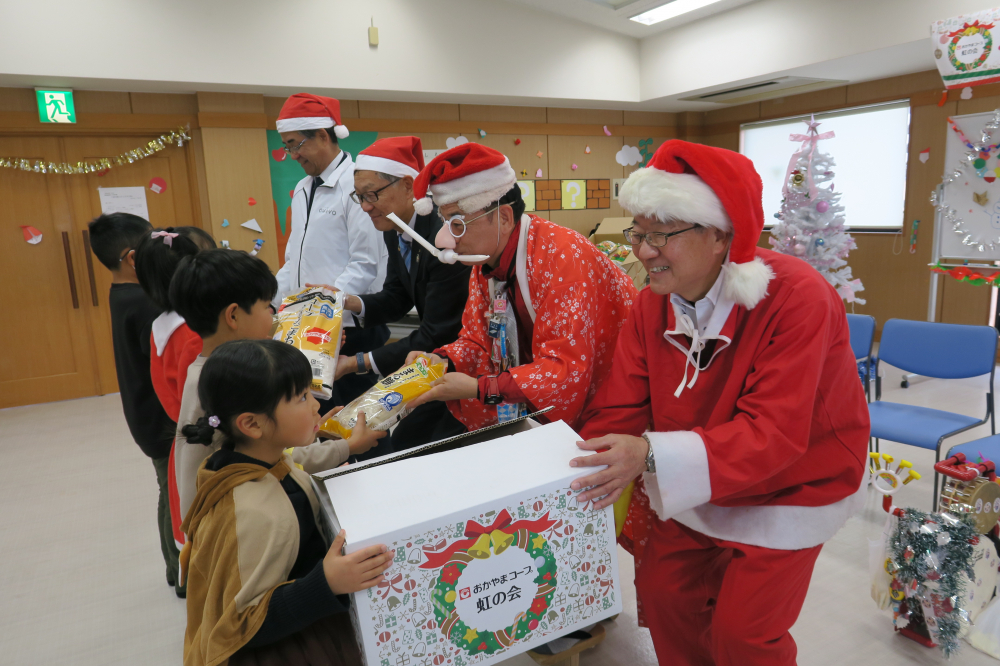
(653, 238)
(458, 223)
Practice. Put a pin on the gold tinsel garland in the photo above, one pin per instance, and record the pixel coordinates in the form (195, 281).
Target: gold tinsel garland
(178, 137)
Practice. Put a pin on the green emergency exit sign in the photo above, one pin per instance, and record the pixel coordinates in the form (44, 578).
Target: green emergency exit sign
(55, 106)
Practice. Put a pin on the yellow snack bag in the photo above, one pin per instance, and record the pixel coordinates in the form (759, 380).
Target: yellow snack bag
(311, 320)
(385, 403)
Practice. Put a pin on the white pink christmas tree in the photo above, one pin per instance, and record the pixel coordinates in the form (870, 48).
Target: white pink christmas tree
(811, 224)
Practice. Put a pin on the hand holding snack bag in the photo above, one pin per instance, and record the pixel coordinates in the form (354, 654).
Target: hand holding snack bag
(312, 321)
(386, 403)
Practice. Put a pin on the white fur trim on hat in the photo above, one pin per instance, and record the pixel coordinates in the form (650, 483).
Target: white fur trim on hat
(476, 190)
(423, 206)
(383, 165)
(299, 124)
(341, 132)
(746, 283)
(682, 197)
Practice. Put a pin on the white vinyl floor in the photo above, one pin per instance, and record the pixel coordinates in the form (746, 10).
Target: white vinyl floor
(82, 580)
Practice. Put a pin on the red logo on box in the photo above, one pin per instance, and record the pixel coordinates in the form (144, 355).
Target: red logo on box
(317, 335)
(464, 593)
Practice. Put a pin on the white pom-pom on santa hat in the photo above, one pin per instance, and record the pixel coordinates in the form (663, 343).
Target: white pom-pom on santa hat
(470, 174)
(423, 206)
(305, 111)
(710, 187)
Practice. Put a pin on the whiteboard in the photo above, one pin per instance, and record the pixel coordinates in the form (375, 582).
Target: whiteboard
(983, 222)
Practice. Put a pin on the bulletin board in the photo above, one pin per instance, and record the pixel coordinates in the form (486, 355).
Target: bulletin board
(975, 195)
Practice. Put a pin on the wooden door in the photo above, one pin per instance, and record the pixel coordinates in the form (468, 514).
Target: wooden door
(46, 350)
(171, 207)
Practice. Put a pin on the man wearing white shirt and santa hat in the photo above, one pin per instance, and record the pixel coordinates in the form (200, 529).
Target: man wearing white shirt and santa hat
(332, 240)
(734, 393)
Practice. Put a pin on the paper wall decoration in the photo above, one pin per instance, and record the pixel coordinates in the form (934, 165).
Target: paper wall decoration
(252, 225)
(628, 155)
(158, 185)
(451, 142)
(31, 234)
(527, 192)
(964, 50)
(123, 200)
(925, 155)
(574, 194)
(225, 223)
(252, 201)
(607, 132)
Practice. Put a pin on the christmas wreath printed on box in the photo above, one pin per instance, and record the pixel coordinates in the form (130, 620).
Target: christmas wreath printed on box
(497, 584)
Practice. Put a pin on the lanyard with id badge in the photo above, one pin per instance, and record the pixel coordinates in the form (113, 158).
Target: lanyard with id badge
(502, 329)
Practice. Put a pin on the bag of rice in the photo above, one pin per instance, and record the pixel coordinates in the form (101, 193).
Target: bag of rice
(385, 403)
(311, 320)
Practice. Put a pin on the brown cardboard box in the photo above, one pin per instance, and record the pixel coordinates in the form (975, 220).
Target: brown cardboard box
(611, 229)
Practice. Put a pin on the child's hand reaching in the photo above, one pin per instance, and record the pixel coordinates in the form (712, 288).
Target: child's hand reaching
(358, 571)
(361, 438)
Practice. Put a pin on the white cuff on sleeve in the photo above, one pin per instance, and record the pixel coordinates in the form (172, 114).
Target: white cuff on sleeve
(681, 473)
(362, 313)
(371, 364)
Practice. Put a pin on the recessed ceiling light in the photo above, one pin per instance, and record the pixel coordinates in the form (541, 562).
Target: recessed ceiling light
(670, 10)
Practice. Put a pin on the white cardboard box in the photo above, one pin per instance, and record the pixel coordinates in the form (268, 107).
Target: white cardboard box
(535, 566)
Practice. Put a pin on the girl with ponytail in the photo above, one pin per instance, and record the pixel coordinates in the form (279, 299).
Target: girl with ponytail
(264, 583)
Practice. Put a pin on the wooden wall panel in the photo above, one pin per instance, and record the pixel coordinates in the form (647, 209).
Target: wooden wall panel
(564, 151)
(502, 114)
(18, 100)
(212, 102)
(164, 103)
(99, 101)
(408, 110)
(586, 116)
(236, 168)
(821, 100)
(897, 87)
(583, 221)
(523, 157)
(650, 118)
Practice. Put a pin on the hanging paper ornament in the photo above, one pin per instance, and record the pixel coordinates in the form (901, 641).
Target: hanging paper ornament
(822, 206)
(925, 155)
(538, 174)
(573, 167)
(607, 132)
(252, 201)
(225, 244)
(252, 225)
(31, 234)
(482, 132)
(981, 199)
(587, 150)
(517, 142)
(158, 185)
(257, 244)
(979, 163)
(967, 92)
(225, 223)
(539, 153)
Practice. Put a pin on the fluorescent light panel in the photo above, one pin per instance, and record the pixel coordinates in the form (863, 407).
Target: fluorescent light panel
(670, 10)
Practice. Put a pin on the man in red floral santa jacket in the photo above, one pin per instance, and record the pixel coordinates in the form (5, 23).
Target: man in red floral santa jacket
(544, 308)
(734, 393)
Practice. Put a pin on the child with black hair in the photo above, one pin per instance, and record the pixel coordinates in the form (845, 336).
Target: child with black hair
(113, 239)
(264, 584)
(173, 346)
(225, 295)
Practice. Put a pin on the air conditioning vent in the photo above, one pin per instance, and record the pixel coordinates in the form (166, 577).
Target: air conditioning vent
(759, 90)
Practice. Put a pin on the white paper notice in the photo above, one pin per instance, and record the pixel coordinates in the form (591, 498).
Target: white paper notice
(124, 200)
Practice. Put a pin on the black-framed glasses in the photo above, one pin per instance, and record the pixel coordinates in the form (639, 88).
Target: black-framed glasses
(296, 149)
(370, 197)
(457, 223)
(653, 238)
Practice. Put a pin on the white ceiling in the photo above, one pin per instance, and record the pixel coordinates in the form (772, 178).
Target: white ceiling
(614, 15)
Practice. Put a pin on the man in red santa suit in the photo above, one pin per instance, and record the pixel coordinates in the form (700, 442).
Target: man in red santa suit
(545, 306)
(752, 439)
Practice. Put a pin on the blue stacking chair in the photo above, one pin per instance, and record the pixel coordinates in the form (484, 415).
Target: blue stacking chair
(862, 336)
(943, 351)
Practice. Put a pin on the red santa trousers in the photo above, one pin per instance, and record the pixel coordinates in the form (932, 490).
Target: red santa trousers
(710, 601)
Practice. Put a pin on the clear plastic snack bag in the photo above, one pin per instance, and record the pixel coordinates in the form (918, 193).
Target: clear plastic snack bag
(311, 320)
(385, 403)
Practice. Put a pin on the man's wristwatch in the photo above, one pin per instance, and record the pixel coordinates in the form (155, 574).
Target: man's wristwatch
(650, 460)
(492, 396)
(362, 368)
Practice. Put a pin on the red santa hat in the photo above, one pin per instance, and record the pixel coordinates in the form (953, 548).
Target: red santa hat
(395, 156)
(710, 187)
(470, 174)
(305, 111)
